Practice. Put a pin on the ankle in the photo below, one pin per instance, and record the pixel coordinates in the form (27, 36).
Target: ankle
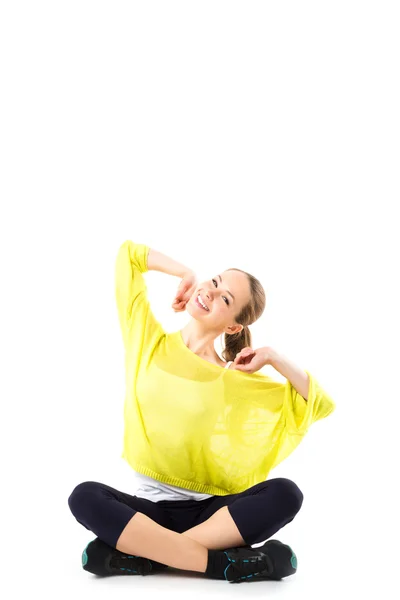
(216, 564)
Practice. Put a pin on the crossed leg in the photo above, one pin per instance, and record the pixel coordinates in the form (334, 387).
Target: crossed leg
(188, 550)
(218, 532)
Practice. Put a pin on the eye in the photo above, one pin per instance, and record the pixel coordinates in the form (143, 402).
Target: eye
(227, 301)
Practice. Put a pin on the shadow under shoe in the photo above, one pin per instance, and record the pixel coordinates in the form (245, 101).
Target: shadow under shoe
(273, 560)
(101, 559)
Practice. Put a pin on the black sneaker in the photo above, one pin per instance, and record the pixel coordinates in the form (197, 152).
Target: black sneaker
(273, 560)
(101, 559)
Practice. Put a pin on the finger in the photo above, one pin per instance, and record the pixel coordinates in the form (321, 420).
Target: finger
(178, 304)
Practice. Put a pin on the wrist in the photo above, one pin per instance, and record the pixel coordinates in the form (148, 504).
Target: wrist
(271, 357)
(188, 272)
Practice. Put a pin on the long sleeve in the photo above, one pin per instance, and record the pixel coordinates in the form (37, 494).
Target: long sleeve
(137, 322)
(298, 415)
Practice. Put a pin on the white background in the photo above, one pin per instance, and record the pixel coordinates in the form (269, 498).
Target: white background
(257, 135)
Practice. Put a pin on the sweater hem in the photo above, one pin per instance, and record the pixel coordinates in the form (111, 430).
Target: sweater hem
(189, 485)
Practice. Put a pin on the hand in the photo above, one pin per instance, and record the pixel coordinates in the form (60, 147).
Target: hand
(185, 290)
(250, 361)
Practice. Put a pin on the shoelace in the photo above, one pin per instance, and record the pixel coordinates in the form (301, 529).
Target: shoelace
(124, 563)
(248, 567)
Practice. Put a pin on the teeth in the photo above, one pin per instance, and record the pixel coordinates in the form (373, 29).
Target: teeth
(201, 302)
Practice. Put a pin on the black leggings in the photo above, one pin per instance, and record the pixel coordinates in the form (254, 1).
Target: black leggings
(258, 512)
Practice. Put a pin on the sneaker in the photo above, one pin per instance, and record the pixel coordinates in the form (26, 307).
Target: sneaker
(101, 559)
(273, 560)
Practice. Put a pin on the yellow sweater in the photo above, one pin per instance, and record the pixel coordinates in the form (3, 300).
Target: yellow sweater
(191, 423)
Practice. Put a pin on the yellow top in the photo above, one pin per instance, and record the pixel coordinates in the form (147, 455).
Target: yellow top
(194, 424)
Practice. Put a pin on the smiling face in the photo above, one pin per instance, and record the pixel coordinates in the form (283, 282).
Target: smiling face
(224, 295)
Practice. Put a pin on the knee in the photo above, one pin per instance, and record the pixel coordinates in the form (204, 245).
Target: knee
(290, 492)
(78, 497)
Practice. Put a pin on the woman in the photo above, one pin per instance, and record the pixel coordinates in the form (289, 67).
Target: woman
(201, 434)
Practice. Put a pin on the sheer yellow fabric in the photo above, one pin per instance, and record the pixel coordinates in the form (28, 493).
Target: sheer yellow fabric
(193, 424)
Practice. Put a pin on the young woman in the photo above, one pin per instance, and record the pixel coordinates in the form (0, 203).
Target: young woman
(201, 434)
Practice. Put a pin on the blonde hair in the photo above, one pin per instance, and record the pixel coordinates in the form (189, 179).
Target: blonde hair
(235, 342)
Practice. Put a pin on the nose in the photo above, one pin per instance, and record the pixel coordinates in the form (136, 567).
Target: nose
(209, 295)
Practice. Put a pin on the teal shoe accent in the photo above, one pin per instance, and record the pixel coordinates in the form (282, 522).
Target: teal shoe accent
(293, 561)
(84, 556)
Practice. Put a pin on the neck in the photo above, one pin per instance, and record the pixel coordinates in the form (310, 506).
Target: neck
(199, 341)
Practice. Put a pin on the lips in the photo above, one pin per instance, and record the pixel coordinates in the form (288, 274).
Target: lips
(198, 304)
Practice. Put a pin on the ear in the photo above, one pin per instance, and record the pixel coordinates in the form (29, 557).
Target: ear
(236, 328)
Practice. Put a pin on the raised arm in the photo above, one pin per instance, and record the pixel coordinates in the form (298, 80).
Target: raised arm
(250, 361)
(297, 377)
(157, 261)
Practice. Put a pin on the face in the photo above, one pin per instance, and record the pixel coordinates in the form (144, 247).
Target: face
(216, 293)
